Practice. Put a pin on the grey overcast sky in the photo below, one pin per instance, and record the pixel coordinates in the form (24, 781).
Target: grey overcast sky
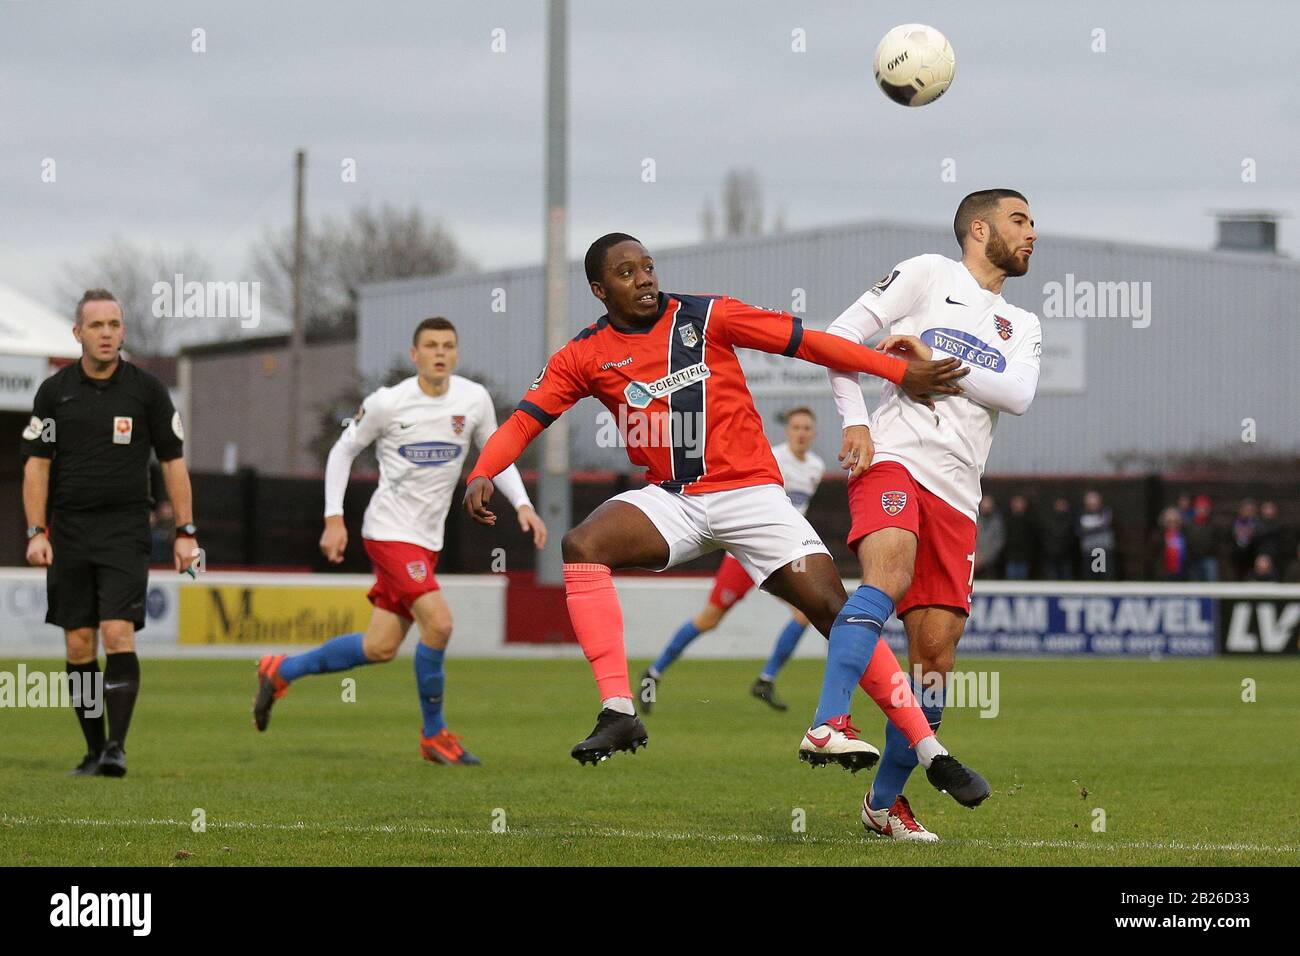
(159, 144)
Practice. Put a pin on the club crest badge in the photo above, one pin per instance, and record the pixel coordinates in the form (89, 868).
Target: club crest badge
(690, 338)
(417, 571)
(893, 502)
(1004, 327)
(458, 423)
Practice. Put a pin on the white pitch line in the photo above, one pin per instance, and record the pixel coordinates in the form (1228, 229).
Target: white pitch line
(667, 835)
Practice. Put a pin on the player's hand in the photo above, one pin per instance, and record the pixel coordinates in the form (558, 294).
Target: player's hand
(907, 347)
(529, 520)
(39, 552)
(334, 541)
(477, 494)
(185, 551)
(856, 452)
(923, 379)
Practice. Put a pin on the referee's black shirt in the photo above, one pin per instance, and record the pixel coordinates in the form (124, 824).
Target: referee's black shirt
(99, 433)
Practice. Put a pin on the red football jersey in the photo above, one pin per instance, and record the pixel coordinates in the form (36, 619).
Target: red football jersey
(677, 391)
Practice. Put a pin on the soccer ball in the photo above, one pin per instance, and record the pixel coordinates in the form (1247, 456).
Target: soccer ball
(914, 64)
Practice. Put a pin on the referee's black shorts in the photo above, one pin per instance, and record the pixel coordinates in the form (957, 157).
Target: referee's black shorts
(100, 570)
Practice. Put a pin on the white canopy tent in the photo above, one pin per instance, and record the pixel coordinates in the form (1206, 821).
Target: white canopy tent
(29, 328)
(30, 336)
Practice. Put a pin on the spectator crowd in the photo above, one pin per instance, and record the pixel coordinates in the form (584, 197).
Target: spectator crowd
(1060, 543)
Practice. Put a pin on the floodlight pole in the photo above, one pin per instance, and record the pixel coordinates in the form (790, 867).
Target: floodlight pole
(553, 489)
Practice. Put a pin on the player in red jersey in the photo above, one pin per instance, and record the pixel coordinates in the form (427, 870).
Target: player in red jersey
(665, 366)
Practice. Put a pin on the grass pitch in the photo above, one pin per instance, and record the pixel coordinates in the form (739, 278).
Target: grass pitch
(1184, 770)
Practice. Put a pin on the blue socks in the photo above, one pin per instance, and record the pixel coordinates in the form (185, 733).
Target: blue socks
(337, 654)
(685, 634)
(786, 642)
(429, 680)
(852, 642)
(899, 759)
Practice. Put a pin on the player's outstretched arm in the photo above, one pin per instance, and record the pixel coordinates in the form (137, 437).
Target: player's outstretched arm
(506, 444)
(1010, 390)
(748, 327)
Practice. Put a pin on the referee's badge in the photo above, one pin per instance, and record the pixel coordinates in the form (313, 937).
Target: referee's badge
(177, 429)
(122, 430)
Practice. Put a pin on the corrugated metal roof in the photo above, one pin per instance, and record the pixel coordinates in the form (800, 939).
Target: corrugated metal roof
(1222, 346)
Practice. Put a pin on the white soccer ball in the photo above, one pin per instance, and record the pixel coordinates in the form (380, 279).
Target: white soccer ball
(914, 64)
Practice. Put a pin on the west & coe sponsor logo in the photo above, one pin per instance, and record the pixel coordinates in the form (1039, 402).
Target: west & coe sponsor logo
(966, 347)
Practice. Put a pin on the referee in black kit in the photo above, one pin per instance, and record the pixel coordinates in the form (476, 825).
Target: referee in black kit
(87, 451)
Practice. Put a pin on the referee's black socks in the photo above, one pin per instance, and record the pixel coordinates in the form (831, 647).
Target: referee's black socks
(87, 700)
(121, 685)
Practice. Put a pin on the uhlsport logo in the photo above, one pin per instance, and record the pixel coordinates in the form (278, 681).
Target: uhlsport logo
(426, 453)
(641, 394)
(966, 347)
(75, 908)
(893, 502)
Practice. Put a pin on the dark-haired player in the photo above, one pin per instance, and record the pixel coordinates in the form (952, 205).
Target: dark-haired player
(801, 473)
(914, 474)
(665, 365)
(422, 426)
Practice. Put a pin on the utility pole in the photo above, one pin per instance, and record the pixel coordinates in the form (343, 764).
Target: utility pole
(553, 492)
(296, 336)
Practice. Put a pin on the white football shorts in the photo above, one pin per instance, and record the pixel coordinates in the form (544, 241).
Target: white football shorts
(757, 525)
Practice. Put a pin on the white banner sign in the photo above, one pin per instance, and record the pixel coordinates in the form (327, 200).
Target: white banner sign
(20, 376)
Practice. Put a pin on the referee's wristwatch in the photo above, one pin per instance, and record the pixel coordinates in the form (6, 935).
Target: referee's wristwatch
(34, 530)
(187, 530)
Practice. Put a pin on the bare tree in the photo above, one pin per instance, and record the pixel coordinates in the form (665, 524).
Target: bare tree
(742, 203)
(130, 270)
(708, 220)
(369, 245)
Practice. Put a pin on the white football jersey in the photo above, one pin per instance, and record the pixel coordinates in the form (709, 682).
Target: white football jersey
(422, 441)
(801, 477)
(937, 300)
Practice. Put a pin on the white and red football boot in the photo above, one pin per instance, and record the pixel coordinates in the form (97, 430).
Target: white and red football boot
(895, 822)
(837, 741)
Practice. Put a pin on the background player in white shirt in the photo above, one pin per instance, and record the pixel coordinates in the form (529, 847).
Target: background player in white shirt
(801, 471)
(423, 427)
(914, 482)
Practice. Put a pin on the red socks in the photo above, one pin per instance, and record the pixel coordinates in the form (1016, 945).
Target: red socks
(886, 683)
(598, 623)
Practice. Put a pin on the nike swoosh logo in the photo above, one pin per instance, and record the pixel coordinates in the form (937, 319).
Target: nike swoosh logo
(404, 427)
(951, 301)
(822, 742)
(114, 686)
(863, 620)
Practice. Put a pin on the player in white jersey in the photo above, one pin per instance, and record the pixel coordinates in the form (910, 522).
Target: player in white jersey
(914, 470)
(422, 428)
(801, 472)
